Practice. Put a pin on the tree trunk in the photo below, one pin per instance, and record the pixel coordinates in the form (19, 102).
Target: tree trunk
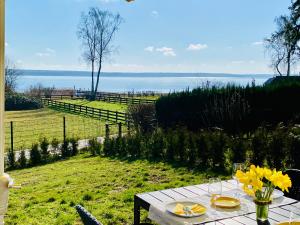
(288, 64)
(92, 88)
(98, 76)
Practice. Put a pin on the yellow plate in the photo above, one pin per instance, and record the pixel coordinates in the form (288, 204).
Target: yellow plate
(289, 223)
(226, 202)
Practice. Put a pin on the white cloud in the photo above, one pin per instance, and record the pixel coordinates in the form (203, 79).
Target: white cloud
(6, 44)
(237, 62)
(256, 43)
(46, 53)
(154, 13)
(166, 51)
(50, 50)
(149, 49)
(197, 47)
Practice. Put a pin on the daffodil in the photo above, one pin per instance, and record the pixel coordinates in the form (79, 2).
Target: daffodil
(261, 182)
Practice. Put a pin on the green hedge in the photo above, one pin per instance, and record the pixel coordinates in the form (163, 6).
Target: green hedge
(233, 108)
(212, 149)
(21, 102)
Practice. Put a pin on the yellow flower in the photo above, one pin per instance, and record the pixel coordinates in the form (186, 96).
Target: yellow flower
(253, 180)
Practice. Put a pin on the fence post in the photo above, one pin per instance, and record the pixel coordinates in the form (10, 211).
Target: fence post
(64, 128)
(107, 130)
(128, 127)
(11, 136)
(120, 129)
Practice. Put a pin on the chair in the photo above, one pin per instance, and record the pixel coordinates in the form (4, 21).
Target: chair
(86, 217)
(89, 219)
(294, 191)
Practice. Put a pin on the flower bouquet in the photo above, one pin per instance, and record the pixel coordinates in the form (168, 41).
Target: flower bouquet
(260, 183)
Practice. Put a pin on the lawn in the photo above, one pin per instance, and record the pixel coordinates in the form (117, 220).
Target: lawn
(105, 186)
(98, 104)
(31, 125)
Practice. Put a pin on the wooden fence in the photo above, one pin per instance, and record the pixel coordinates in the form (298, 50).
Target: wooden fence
(101, 114)
(107, 97)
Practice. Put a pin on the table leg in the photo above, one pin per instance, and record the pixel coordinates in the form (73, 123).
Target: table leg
(137, 211)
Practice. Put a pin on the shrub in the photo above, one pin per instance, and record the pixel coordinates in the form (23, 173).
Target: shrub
(219, 144)
(74, 146)
(11, 158)
(35, 155)
(95, 147)
(157, 145)
(44, 144)
(294, 158)
(143, 116)
(54, 146)
(22, 161)
(233, 108)
(107, 146)
(259, 146)
(277, 155)
(21, 102)
(65, 149)
(239, 147)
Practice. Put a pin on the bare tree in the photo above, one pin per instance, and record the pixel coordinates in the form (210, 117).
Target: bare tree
(96, 30)
(283, 45)
(11, 75)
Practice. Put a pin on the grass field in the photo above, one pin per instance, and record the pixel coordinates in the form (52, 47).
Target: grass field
(106, 187)
(29, 126)
(98, 104)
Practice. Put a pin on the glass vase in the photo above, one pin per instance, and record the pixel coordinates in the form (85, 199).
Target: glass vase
(262, 210)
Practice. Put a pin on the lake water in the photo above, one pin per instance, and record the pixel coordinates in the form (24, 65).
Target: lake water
(123, 82)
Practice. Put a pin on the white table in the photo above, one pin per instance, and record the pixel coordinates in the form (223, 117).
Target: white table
(146, 200)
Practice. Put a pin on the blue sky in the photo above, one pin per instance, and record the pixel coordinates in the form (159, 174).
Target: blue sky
(157, 35)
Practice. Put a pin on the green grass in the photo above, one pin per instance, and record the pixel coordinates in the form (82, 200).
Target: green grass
(98, 104)
(31, 125)
(104, 186)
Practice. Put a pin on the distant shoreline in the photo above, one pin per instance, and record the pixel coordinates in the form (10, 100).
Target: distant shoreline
(137, 74)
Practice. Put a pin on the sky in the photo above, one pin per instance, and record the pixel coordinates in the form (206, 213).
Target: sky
(222, 36)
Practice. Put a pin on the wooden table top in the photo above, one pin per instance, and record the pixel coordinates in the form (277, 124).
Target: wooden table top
(277, 214)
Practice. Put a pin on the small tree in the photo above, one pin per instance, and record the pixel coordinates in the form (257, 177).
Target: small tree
(44, 143)
(11, 158)
(11, 75)
(96, 30)
(22, 159)
(35, 155)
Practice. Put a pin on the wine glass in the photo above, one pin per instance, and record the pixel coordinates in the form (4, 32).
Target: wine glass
(214, 189)
(235, 168)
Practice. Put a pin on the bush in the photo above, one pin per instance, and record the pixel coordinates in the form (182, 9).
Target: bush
(65, 149)
(143, 116)
(232, 108)
(74, 146)
(22, 161)
(21, 102)
(157, 145)
(95, 147)
(54, 147)
(11, 158)
(35, 155)
(44, 144)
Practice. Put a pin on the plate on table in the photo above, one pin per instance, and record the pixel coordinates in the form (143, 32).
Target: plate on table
(226, 202)
(289, 223)
(277, 194)
(186, 209)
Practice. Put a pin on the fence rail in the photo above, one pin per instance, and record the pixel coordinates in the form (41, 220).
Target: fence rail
(107, 97)
(101, 114)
